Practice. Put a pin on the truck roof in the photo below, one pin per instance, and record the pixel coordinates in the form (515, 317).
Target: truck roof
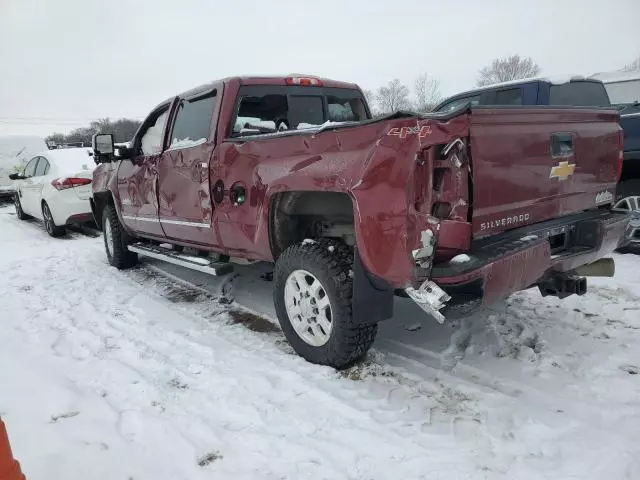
(260, 80)
(554, 80)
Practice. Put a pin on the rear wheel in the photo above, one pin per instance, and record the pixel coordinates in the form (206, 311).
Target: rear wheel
(19, 212)
(116, 241)
(628, 198)
(312, 296)
(52, 229)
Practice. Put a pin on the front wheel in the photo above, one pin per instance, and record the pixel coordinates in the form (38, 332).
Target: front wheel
(116, 241)
(52, 229)
(312, 296)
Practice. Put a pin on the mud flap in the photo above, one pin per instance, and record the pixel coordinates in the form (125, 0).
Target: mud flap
(372, 299)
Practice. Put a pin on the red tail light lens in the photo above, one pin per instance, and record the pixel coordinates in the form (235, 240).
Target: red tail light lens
(305, 81)
(620, 154)
(64, 183)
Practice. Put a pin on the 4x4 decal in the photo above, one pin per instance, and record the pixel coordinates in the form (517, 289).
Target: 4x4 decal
(404, 132)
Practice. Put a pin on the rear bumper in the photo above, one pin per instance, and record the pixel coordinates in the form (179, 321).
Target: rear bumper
(80, 218)
(522, 258)
(66, 207)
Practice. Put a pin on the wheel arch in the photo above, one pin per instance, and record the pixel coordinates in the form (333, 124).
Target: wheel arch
(299, 214)
(98, 202)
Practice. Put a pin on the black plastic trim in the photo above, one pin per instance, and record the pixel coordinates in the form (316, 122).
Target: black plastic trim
(372, 299)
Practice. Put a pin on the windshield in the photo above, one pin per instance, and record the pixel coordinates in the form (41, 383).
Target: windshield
(269, 109)
(621, 93)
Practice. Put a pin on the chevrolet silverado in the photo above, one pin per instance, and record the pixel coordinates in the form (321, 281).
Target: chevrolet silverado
(451, 210)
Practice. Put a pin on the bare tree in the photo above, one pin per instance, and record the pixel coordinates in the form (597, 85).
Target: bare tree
(393, 97)
(123, 130)
(426, 92)
(635, 65)
(505, 69)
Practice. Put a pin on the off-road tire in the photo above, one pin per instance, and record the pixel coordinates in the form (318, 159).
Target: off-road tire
(330, 262)
(628, 188)
(49, 224)
(119, 256)
(19, 212)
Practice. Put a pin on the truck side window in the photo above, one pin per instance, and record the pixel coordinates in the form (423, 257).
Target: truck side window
(345, 109)
(42, 168)
(459, 102)
(193, 122)
(30, 169)
(151, 141)
(511, 96)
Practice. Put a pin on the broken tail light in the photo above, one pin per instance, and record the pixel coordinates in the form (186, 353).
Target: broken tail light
(64, 183)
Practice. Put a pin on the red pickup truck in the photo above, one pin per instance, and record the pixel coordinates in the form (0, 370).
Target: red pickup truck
(452, 210)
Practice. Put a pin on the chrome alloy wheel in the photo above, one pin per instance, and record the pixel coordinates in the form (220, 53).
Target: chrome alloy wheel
(308, 308)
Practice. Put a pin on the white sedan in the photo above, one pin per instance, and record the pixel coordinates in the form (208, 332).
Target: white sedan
(55, 187)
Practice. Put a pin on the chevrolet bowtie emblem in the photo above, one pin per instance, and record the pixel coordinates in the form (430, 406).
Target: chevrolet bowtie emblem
(562, 171)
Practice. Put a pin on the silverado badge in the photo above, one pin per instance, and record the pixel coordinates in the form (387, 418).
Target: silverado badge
(562, 171)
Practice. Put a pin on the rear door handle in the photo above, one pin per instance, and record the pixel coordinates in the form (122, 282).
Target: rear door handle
(562, 144)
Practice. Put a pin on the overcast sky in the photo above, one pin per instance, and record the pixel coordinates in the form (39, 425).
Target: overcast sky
(66, 62)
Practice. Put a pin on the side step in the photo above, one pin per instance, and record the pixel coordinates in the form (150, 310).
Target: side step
(193, 262)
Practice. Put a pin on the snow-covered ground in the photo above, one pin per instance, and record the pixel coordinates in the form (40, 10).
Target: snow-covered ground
(145, 374)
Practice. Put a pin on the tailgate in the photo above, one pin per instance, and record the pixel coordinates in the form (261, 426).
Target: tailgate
(534, 164)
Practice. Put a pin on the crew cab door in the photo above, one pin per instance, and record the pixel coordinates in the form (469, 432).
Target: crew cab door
(185, 207)
(26, 189)
(37, 184)
(137, 177)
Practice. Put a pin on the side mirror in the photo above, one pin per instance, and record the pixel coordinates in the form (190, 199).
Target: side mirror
(16, 176)
(102, 144)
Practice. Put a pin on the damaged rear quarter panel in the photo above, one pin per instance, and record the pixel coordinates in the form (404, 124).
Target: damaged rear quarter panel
(374, 168)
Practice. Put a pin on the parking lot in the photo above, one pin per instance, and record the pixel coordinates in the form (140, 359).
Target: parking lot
(147, 374)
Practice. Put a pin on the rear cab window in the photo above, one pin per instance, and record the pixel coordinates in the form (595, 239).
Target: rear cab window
(579, 94)
(271, 108)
